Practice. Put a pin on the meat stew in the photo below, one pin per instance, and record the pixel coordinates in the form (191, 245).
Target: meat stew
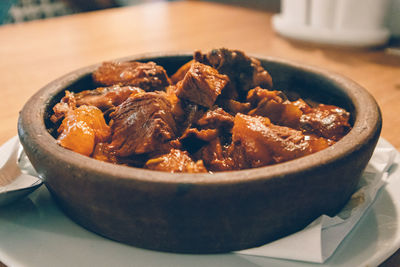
(218, 112)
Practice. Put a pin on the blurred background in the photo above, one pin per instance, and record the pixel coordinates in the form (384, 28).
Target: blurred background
(18, 11)
(12, 11)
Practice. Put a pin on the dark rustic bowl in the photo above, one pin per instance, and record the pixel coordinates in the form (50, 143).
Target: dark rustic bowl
(204, 213)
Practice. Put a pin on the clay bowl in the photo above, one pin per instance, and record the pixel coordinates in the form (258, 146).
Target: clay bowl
(204, 213)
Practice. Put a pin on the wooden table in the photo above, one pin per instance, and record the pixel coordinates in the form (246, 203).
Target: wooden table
(32, 54)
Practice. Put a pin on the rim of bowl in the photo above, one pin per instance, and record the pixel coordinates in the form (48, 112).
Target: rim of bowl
(367, 121)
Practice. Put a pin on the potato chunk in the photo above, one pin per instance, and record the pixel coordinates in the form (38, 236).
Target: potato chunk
(82, 128)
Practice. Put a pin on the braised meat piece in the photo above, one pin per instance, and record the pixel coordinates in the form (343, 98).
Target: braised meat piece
(181, 72)
(214, 123)
(233, 106)
(142, 124)
(184, 111)
(61, 109)
(244, 72)
(249, 142)
(257, 142)
(205, 134)
(105, 97)
(216, 158)
(327, 121)
(258, 94)
(82, 128)
(175, 161)
(304, 106)
(103, 152)
(215, 118)
(147, 76)
(177, 107)
(272, 104)
(193, 139)
(201, 85)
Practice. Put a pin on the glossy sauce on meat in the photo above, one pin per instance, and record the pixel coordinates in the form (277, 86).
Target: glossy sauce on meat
(218, 112)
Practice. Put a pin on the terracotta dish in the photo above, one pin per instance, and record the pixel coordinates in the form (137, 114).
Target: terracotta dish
(204, 213)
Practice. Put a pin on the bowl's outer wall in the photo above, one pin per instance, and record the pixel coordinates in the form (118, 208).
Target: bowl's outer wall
(198, 216)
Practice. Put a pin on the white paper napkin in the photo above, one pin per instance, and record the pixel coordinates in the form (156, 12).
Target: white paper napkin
(16, 184)
(28, 177)
(318, 241)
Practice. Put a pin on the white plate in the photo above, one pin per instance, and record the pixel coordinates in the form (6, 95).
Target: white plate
(34, 232)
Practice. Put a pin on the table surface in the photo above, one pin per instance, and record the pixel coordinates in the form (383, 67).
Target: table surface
(35, 53)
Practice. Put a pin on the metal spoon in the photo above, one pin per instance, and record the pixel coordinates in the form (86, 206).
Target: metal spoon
(17, 177)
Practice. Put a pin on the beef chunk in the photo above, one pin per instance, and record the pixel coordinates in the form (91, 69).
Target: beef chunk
(184, 111)
(327, 121)
(204, 134)
(139, 160)
(272, 104)
(233, 106)
(193, 139)
(215, 123)
(103, 152)
(105, 97)
(201, 85)
(181, 72)
(215, 157)
(244, 72)
(142, 124)
(175, 161)
(249, 147)
(61, 109)
(258, 94)
(257, 142)
(147, 76)
(216, 118)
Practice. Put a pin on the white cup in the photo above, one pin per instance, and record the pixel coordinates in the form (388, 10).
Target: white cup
(340, 22)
